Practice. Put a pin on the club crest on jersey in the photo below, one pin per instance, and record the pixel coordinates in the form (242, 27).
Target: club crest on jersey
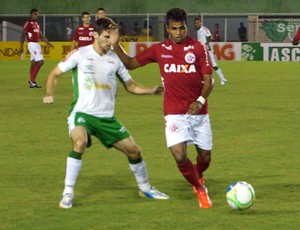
(190, 58)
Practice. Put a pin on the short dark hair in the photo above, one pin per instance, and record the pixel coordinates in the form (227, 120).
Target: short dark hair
(176, 14)
(33, 10)
(104, 24)
(197, 19)
(101, 9)
(84, 13)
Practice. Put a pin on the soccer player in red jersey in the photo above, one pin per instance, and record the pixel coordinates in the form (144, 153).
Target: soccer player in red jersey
(296, 37)
(187, 77)
(32, 32)
(84, 34)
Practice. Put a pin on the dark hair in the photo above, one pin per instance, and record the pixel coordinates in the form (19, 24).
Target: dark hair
(33, 10)
(104, 24)
(176, 14)
(197, 18)
(101, 9)
(84, 13)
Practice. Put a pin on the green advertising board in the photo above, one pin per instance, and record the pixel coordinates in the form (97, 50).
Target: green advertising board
(252, 51)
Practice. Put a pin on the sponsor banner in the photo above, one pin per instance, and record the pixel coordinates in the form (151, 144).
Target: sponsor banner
(10, 51)
(137, 39)
(228, 51)
(281, 52)
(252, 51)
(272, 29)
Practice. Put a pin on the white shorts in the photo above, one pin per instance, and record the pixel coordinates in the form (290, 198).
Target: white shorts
(212, 58)
(35, 51)
(193, 129)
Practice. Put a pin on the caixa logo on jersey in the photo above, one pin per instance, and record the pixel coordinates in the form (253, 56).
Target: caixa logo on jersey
(175, 68)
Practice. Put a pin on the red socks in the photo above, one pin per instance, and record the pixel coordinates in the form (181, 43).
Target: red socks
(201, 165)
(34, 71)
(188, 171)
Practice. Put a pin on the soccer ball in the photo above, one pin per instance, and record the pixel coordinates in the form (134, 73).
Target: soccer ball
(240, 195)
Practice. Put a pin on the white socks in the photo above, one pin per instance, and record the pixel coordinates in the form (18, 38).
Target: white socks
(140, 172)
(73, 167)
(72, 171)
(220, 74)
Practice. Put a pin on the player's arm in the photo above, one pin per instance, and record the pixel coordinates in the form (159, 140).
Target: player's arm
(205, 92)
(135, 88)
(295, 42)
(129, 62)
(208, 39)
(21, 50)
(50, 85)
(73, 46)
(44, 39)
(296, 38)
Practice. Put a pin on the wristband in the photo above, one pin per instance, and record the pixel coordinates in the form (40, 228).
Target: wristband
(201, 100)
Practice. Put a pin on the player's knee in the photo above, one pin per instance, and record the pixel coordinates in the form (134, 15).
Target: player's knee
(134, 152)
(79, 144)
(206, 156)
(179, 156)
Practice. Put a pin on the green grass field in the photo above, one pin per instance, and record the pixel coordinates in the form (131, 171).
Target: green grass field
(255, 120)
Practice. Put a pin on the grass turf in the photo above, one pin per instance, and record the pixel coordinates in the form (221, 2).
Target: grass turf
(255, 121)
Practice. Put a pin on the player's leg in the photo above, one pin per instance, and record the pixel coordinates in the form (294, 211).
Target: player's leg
(184, 164)
(138, 167)
(203, 142)
(79, 138)
(216, 68)
(177, 135)
(36, 62)
(203, 161)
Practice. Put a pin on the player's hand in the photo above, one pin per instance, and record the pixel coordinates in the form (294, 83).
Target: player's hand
(158, 90)
(48, 99)
(194, 108)
(114, 36)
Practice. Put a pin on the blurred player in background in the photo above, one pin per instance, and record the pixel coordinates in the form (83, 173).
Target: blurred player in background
(187, 77)
(95, 72)
(101, 12)
(204, 36)
(296, 37)
(33, 34)
(83, 35)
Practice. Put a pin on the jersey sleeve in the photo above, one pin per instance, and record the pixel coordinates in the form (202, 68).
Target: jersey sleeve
(204, 60)
(26, 26)
(148, 56)
(70, 62)
(123, 73)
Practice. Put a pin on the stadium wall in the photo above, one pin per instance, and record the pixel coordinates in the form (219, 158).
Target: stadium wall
(153, 6)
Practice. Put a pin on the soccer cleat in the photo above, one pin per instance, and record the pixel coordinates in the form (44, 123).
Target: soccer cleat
(223, 81)
(66, 201)
(154, 194)
(203, 198)
(33, 85)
